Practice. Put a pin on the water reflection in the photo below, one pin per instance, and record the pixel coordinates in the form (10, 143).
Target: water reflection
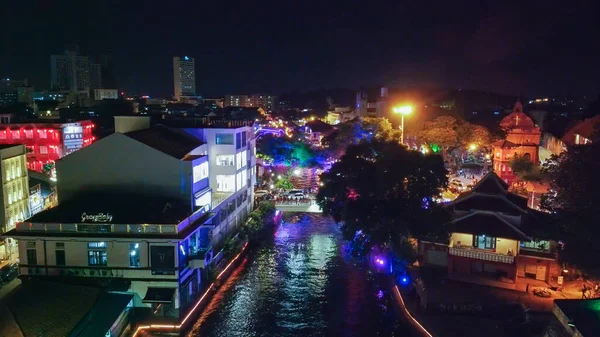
(300, 285)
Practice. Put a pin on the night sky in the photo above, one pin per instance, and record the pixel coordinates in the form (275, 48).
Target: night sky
(533, 48)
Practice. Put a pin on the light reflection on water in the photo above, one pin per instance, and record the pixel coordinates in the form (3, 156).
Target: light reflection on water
(299, 285)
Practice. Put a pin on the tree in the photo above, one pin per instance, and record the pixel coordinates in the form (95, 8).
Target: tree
(284, 183)
(574, 181)
(442, 131)
(283, 151)
(449, 132)
(359, 129)
(524, 168)
(479, 135)
(382, 190)
(278, 148)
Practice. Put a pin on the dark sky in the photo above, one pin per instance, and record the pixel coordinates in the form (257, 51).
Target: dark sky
(520, 47)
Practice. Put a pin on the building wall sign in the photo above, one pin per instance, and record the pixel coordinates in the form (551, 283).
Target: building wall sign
(36, 203)
(73, 137)
(100, 217)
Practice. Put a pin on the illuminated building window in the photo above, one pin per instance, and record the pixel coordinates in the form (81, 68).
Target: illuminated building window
(224, 139)
(43, 149)
(134, 255)
(238, 161)
(2, 134)
(224, 160)
(226, 183)
(15, 134)
(28, 134)
(239, 181)
(97, 254)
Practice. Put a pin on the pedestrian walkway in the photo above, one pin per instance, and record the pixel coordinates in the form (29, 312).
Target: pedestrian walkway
(8, 287)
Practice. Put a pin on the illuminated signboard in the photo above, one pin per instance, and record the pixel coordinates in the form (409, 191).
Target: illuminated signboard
(100, 217)
(72, 137)
(36, 202)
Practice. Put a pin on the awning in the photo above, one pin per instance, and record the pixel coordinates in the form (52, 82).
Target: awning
(159, 295)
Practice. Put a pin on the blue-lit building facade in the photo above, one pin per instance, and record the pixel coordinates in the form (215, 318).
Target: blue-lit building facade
(138, 207)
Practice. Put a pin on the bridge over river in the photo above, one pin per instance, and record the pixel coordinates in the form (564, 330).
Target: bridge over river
(302, 207)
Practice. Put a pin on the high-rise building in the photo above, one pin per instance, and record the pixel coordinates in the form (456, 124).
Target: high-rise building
(184, 77)
(264, 101)
(69, 71)
(95, 76)
(12, 92)
(107, 72)
(370, 105)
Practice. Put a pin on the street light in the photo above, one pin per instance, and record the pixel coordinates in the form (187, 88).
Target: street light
(473, 147)
(403, 110)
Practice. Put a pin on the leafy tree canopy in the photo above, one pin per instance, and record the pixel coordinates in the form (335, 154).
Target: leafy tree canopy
(383, 190)
(284, 151)
(357, 130)
(524, 168)
(574, 181)
(284, 183)
(449, 132)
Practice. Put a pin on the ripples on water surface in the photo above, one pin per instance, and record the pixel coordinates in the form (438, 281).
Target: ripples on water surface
(301, 284)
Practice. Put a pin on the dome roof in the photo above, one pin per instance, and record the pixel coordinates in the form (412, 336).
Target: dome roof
(517, 118)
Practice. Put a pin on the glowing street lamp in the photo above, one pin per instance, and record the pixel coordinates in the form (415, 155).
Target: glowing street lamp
(473, 147)
(402, 110)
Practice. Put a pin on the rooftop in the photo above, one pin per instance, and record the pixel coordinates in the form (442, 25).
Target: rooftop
(585, 128)
(490, 183)
(488, 202)
(206, 123)
(504, 144)
(50, 309)
(164, 139)
(46, 121)
(8, 146)
(583, 314)
(488, 223)
(118, 209)
(319, 126)
(102, 315)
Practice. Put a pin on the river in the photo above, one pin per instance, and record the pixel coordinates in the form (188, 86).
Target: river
(302, 283)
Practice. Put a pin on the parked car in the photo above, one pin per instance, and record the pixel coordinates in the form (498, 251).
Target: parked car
(296, 194)
(8, 273)
(260, 193)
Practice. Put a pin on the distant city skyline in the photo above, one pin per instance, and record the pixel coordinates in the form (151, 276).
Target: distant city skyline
(535, 48)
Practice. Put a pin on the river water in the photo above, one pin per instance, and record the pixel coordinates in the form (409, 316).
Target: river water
(303, 283)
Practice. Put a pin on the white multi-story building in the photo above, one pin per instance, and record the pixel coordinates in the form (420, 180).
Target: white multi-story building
(231, 153)
(102, 94)
(184, 77)
(146, 206)
(264, 101)
(15, 195)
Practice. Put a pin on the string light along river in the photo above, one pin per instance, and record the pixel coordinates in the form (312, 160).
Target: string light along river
(301, 283)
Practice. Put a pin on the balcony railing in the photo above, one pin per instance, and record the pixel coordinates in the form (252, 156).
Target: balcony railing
(481, 255)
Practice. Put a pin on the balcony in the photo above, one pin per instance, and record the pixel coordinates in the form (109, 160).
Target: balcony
(200, 258)
(481, 255)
